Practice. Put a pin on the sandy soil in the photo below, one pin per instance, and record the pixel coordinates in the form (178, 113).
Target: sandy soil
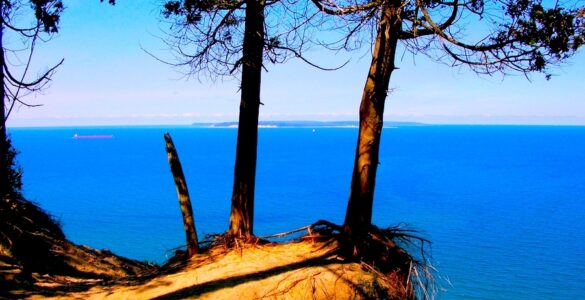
(297, 270)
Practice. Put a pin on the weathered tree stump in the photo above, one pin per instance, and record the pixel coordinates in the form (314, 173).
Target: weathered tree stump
(183, 193)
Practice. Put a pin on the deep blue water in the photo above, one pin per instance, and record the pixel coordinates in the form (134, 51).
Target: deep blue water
(503, 205)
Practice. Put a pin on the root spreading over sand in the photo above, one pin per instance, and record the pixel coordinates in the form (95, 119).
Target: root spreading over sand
(296, 270)
(320, 265)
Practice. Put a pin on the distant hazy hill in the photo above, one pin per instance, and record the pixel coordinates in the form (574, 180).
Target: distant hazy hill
(304, 124)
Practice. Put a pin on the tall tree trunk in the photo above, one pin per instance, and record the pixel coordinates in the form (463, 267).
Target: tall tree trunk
(4, 180)
(183, 193)
(242, 212)
(359, 209)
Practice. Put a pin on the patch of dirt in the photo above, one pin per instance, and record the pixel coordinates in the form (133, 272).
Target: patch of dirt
(37, 262)
(295, 270)
(36, 258)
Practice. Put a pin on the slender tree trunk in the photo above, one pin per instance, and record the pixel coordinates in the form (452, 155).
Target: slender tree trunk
(183, 193)
(242, 212)
(4, 181)
(359, 209)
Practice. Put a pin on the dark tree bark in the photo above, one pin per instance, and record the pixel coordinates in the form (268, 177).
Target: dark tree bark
(358, 217)
(4, 180)
(242, 211)
(183, 193)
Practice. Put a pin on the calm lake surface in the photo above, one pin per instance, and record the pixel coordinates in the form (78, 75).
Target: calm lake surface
(503, 205)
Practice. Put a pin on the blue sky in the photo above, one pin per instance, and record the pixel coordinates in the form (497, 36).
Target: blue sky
(107, 79)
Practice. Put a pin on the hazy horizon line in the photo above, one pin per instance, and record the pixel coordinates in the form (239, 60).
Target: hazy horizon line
(194, 124)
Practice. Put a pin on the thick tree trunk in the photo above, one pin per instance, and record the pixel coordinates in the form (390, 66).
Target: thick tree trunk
(4, 180)
(183, 193)
(242, 212)
(359, 209)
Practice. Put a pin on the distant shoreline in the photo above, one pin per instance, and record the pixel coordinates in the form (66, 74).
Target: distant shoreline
(283, 124)
(303, 124)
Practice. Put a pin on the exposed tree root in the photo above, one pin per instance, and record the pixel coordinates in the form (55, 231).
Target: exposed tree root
(383, 252)
(323, 264)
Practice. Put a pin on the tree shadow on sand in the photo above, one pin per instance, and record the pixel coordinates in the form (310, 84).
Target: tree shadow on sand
(387, 268)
